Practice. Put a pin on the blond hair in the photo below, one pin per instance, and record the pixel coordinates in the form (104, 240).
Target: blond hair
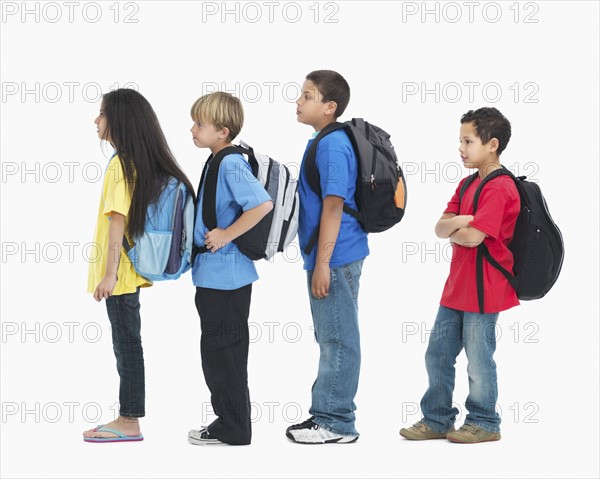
(220, 109)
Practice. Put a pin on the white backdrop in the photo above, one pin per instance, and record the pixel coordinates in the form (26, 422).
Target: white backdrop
(414, 68)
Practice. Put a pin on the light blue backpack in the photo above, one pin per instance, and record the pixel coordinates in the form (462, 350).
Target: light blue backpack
(164, 251)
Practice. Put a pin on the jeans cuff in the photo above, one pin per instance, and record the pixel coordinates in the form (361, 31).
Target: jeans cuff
(333, 430)
(483, 426)
(430, 425)
(132, 414)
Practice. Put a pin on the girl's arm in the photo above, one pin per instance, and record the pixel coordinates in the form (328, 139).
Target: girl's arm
(449, 223)
(116, 230)
(217, 238)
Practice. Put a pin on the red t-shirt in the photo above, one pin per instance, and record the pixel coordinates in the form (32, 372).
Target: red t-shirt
(499, 206)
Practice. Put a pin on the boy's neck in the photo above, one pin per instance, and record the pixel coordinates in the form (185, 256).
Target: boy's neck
(215, 149)
(322, 125)
(488, 167)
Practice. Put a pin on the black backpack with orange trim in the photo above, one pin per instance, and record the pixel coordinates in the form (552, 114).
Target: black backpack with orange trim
(380, 194)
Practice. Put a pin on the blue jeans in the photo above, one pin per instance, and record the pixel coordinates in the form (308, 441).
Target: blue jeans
(124, 314)
(335, 320)
(476, 333)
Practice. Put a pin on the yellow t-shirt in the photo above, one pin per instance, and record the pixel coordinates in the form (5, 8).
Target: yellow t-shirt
(116, 196)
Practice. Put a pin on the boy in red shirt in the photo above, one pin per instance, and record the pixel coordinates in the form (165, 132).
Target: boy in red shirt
(484, 134)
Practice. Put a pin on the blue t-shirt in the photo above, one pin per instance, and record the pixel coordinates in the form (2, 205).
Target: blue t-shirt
(237, 191)
(338, 169)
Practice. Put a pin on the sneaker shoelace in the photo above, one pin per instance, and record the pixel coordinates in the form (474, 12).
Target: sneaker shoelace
(421, 426)
(469, 428)
(308, 424)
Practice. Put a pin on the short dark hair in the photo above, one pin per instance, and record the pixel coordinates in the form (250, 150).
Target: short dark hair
(333, 87)
(489, 123)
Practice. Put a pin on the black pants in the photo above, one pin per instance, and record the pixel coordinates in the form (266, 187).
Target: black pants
(224, 351)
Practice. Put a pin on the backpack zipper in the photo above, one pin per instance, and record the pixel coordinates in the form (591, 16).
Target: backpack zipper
(373, 163)
(287, 180)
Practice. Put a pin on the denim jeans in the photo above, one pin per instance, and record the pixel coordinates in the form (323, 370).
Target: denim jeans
(124, 315)
(476, 333)
(335, 320)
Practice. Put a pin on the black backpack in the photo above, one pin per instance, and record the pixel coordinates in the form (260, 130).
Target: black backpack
(380, 194)
(537, 245)
(278, 228)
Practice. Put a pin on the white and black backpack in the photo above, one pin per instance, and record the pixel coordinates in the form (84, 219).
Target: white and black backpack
(277, 229)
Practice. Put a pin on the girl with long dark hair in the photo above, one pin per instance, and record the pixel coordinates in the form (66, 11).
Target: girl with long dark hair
(137, 172)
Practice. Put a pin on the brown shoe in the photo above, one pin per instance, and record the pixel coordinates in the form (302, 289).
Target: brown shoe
(471, 434)
(421, 432)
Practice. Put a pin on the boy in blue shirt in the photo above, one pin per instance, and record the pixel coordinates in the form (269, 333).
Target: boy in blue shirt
(333, 266)
(223, 276)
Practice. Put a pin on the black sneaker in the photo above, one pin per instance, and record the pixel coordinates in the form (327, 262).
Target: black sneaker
(308, 432)
(201, 437)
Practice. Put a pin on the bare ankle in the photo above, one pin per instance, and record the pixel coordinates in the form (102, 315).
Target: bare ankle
(130, 420)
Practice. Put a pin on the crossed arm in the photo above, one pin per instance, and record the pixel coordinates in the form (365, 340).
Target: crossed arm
(457, 229)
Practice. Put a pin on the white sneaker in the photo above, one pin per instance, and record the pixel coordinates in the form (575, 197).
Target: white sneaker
(201, 437)
(308, 432)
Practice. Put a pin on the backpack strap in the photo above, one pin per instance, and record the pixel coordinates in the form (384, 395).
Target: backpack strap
(311, 173)
(209, 178)
(126, 244)
(494, 174)
(310, 160)
(464, 187)
(199, 249)
(249, 152)
(482, 249)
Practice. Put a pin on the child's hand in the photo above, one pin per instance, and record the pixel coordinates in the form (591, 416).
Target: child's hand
(462, 221)
(467, 219)
(214, 240)
(320, 280)
(105, 287)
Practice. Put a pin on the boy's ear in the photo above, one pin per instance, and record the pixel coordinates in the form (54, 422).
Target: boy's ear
(225, 133)
(493, 145)
(331, 108)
